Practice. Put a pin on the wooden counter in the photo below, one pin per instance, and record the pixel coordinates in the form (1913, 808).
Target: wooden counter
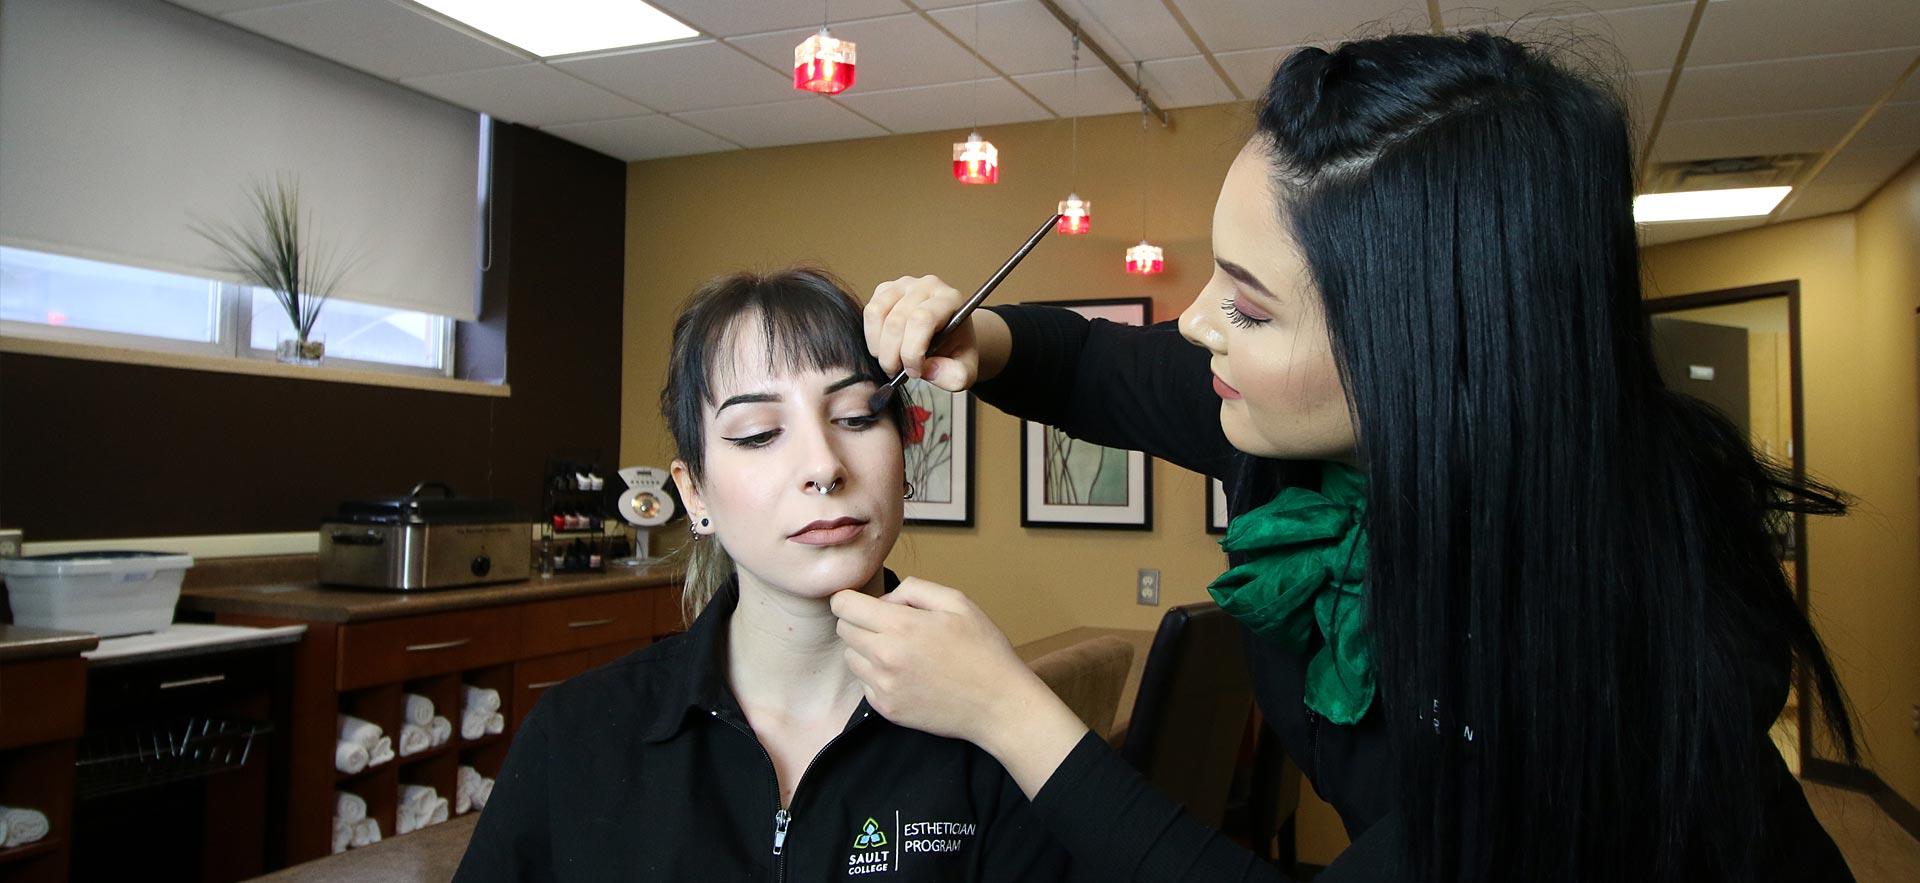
(18, 644)
(429, 855)
(365, 651)
(43, 700)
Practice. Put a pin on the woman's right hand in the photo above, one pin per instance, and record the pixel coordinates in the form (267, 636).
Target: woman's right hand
(906, 314)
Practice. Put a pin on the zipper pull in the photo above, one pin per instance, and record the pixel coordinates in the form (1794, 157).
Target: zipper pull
(780, 820)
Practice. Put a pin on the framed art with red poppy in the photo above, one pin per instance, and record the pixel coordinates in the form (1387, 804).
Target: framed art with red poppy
(939, 449)
(1068, 482)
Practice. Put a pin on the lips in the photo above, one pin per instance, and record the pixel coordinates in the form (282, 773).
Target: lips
(830, 532)
(1221, 389)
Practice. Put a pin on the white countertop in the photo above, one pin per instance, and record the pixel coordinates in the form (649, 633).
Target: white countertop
(189, 639)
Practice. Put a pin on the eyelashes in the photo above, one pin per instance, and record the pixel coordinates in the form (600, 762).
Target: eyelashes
(1239, 319)
(762, 439)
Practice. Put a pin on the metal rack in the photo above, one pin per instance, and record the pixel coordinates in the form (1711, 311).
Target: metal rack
(148, 755)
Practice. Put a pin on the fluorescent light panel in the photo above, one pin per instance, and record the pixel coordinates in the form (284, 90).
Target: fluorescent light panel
(1707, 205)
(565, 27)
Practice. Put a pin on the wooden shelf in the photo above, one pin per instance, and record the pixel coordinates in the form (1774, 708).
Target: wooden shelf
(483, 741)
(370, 771)
(50, 843)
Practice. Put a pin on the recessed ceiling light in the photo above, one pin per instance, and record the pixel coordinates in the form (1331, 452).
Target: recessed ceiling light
(1707, 205)
(565, 27)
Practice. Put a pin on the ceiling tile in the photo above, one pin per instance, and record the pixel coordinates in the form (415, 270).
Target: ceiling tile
(1227, 25)
(1909, 91)
(1632, 38)
(688, 76)
(1454, 13)
(1867, 165)
(1185, 82)
(956, 106)
(1824, 199)
(895, 52)
(1252, 68)
(1657, 234)
(1133, 29)
(732, 18)
(1758, 30)
(376, 36)
(1100, 92)
(1798, 132)
(1018, 37)
(531, 94)
(1810, 83)
(789, 122)
(637, 138)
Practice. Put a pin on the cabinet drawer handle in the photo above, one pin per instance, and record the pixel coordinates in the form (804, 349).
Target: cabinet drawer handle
(192, 682)
(545, 684)
(588, 623)
(442, 645)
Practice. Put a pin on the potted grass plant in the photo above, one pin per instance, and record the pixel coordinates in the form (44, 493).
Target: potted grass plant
(275, 248)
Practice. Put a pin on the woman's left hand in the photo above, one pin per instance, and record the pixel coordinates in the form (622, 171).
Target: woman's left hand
(933, 661)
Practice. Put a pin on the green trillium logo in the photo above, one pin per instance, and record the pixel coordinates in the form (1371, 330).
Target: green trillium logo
(870, 836)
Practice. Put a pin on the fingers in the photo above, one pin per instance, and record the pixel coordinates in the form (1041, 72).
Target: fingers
(868, 613)
(904, 316)
(924, 595)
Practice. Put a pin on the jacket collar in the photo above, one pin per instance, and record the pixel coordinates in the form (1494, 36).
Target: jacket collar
(696, 684)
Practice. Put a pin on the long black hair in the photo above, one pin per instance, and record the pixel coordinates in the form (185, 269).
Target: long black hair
(1582, 630)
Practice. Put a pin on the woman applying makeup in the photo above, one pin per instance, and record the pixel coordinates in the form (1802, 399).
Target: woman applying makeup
(1511, 604)
(743, 750)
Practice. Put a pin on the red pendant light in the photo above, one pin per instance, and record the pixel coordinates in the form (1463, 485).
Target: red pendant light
(976, 161)
(1076, 216)
(1145, 260)
(823, 63)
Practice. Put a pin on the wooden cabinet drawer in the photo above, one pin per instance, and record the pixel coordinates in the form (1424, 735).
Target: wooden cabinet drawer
(392, 650)
(551, 627)
(42, 700)
(667, 619)
(533, 677)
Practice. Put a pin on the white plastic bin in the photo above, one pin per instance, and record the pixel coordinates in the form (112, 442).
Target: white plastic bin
(106, 593)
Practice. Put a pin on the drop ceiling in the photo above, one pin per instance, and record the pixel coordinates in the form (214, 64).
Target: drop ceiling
(1831, 78)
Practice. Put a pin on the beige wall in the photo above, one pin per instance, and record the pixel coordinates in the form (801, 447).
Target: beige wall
(1859, 287)
(878, 209)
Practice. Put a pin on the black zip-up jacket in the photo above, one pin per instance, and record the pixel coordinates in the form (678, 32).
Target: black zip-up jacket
(646, 769)
(1148, 389)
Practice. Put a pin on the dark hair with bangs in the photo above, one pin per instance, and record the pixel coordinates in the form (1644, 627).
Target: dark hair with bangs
(807, 321)
(1582, 632)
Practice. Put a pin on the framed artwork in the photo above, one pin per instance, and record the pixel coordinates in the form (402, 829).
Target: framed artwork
(939, 448)
(1066, 482)
(1216, 506)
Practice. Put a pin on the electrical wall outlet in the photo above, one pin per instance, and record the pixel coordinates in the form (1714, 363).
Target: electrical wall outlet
(1147, 592)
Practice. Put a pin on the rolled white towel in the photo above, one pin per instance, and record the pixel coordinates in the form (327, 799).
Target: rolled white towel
(414, 739)
(381, 752)
(349, 757)
(483, 794)
(466, 782)
(354, 729)
(473, 724)
(483, 699)
(418, 798)
(439, 813)
(497, 723)
(342, 835)
(349, 807)
(405, 821)
(419, 709)
(3, 831)
(366, 832)
(440, 729)
(24, 826)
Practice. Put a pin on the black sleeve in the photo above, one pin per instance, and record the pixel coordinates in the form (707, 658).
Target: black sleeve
(1143, 389)
(1117, 827)
(1017, 846)
(511, 842)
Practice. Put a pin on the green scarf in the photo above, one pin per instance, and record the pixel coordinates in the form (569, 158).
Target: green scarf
(1306, 567)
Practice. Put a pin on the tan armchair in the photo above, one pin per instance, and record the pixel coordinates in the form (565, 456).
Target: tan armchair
(1089, 677)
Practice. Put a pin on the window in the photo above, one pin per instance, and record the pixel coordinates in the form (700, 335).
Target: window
(64, 298)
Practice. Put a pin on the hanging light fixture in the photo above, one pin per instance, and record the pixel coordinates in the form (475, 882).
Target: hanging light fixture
(976, 160)
(1076, 214)
(1144, 259)
(823, 63)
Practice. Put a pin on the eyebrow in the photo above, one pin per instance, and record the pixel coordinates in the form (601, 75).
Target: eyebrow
(761, 397)
(1244, 275)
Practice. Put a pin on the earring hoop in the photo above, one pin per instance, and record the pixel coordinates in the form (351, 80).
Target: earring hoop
(910, 490)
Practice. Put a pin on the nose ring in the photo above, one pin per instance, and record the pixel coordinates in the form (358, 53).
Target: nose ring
(825, 489)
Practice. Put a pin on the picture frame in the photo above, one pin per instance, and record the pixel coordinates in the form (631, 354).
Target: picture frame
(939, 447)
(1216, 507)
(1066, 482)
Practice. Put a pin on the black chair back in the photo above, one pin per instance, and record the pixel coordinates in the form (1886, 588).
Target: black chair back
(1191, 711)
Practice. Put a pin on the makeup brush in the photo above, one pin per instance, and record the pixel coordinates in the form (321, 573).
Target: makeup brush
(886, 393)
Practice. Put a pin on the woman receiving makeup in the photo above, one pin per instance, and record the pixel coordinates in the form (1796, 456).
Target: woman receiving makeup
(1511, 604)
(743, 750)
